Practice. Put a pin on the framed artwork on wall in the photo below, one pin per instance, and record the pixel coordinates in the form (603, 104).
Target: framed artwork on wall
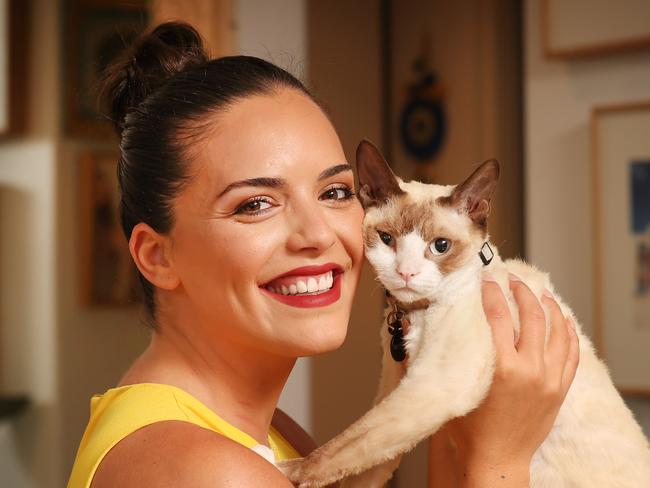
(581, 28)
(13, 66)
(620, 137)
(95, 32)
(108, 274)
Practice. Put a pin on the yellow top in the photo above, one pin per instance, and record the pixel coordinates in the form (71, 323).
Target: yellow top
(121, 411)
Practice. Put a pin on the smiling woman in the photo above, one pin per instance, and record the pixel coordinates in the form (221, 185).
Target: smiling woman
(237, 202)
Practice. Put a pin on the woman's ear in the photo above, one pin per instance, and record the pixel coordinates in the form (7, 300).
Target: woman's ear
(151, 253)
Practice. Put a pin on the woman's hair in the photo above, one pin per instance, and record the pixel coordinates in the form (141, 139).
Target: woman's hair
(162, 95)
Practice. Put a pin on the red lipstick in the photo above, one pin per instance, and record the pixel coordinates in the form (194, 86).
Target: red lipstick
(301, 298)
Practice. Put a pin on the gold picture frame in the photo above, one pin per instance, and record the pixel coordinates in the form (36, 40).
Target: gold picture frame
(620, 139)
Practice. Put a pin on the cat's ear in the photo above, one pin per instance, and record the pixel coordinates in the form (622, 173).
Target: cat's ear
(473, 195)
(377, 183)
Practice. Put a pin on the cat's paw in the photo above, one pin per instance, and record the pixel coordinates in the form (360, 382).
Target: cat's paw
(292, 469)
(302, 473)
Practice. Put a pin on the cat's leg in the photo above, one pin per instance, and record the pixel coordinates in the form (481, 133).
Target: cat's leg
(375, 477)
(413, 411)
(391, 374)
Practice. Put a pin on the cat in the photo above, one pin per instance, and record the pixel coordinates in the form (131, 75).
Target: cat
(434, 239)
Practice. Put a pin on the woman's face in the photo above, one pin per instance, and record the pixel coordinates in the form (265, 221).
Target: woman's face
(267, 238)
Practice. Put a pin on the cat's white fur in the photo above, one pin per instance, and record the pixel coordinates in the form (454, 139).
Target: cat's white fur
(595, 441)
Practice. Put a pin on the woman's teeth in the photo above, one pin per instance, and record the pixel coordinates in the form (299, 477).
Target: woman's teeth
(304, 285)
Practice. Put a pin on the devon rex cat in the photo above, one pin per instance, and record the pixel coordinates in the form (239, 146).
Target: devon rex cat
(427, 244)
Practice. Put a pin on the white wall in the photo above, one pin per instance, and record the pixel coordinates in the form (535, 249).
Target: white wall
(559, 96)
(28, 456)
(277, 31)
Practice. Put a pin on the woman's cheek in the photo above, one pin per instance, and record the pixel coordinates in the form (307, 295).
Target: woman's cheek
(354, 234)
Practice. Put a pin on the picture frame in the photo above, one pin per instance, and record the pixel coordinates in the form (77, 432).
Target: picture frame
(585, 28)
(620, 138)
(13, 66)
(95, 32)
(108, 275)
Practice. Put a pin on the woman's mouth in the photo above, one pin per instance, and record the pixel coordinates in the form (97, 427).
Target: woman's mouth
(309, 286)
(302, 285)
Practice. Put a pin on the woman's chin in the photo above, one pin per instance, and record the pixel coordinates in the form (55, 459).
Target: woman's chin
(315, 344)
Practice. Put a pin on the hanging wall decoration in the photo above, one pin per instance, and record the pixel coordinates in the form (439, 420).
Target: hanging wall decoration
(423, 122)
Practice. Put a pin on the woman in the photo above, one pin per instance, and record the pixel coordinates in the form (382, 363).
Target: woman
(239, 208)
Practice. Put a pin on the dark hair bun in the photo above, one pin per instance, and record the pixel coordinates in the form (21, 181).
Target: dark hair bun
(146, 65)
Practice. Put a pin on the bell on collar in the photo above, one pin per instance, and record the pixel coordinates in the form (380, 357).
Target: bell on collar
(398, 348)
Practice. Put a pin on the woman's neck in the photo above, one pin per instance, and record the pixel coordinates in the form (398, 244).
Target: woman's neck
(240, 384)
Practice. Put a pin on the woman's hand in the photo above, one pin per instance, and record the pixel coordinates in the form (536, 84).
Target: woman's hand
(497, 441)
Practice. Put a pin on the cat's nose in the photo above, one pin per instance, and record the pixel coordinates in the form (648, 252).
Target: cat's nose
(407, 275)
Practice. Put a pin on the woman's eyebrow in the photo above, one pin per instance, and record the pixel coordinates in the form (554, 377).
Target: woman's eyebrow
(334, 170)
(262, 181)
(280, 182)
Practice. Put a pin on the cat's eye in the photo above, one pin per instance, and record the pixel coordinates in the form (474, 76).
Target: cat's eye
(440, 246)
(386, 238)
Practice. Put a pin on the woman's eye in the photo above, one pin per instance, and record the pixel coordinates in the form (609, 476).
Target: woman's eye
(440, 245)
(253, 207)
(337, 193)
(386, 238)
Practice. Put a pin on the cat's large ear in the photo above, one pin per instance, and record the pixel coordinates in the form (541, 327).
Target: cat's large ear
(377, 182)
(473, 195)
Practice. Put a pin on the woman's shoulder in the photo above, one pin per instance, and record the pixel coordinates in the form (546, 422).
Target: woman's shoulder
(175, 453)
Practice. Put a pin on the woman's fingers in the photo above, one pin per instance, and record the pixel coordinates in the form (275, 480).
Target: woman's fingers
(531, 319)
(497, 313)
(573, 356)
(557, 347)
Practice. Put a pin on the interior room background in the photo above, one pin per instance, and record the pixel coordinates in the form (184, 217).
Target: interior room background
(440, 86)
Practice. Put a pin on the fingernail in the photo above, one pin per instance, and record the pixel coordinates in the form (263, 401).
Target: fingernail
(487, 276)
(547, 293)
(513, 277)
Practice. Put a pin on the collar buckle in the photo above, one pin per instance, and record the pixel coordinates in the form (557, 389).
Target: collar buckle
(486, 254)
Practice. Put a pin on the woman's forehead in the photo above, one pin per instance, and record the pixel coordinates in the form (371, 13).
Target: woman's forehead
(281, 134)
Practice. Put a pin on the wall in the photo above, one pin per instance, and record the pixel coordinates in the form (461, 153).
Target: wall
(28, 311)
(559, 97)
(275, 31)
(28, 307)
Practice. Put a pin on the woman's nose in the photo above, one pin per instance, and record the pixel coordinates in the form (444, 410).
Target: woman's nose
(310, 230)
